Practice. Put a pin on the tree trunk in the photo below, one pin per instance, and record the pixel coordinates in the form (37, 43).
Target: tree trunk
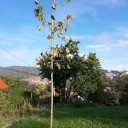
(51, 121)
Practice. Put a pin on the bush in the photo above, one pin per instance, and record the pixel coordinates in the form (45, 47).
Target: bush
(112, 98)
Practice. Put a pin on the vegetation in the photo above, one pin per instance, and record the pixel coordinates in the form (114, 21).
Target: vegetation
(83, 117)
(15, 101)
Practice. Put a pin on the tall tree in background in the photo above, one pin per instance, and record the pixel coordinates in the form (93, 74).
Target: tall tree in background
(89, 75)
(59, 27)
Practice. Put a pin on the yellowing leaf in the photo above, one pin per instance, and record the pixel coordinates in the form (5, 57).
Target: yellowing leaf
(58, 35)
(66, 20)
(54, 6)
(37, 59)
(61, 4)
(56, 28)
(44, 24)
(67, 49)
(49, 24)
(62, 57)
(38, 28)
(63, 38)
(34, 9)
(40, 18)
(61, 31)
(36, 2)
(41, 14)
(34, 64)
(68, 26)
(57, 49)
(69, 17)
(40, 61)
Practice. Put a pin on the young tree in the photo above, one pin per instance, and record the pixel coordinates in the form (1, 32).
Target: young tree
(59, 27)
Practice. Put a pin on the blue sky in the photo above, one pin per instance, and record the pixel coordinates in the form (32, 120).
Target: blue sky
(100, 25)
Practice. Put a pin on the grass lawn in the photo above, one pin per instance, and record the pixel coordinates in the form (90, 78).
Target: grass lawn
(82, 117)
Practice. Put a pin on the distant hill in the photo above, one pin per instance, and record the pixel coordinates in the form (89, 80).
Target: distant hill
(19, 71)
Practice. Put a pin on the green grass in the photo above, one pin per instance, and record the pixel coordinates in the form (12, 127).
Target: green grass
(83, 117)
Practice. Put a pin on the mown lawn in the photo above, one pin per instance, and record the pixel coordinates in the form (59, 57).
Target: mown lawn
(79, 117)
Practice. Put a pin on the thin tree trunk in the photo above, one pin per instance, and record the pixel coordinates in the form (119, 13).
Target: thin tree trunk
(51, 121)
(31, 96)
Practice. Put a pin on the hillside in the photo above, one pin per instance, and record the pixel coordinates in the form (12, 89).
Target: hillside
(19, 71)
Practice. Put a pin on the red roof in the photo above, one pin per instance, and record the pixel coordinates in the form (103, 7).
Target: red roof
(32, 79)
(3, 85)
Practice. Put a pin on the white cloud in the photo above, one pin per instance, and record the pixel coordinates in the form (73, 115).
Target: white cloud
(118, 67)
(123, 42)
(95, 46)
(111, 3)
(81, 37)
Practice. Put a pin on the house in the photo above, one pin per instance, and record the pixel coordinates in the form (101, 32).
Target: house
(36, 80)
(3, 85)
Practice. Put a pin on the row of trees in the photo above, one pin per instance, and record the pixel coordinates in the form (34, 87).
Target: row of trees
(85, 77)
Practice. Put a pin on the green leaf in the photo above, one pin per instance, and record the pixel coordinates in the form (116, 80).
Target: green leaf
(44, 24)
(54, 6)
(71, 17)
(61, 49)
(61, 4)
(59, 24)
(70, 42)
(42, 14)
(68, 26)
(68, 66)
(56, 28)
(58, 35)
(67, 49)
(40, 18)
(63, 38)
(34, 9)
(61, 31)
(69, 60)
(38, 28)
(49, 37)
(58, 65)
(52, 17)
(40, 8)
(65, 29)
(66, 20)
(63, 66)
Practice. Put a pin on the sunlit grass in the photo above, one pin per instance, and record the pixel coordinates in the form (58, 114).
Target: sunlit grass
(83, 117)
